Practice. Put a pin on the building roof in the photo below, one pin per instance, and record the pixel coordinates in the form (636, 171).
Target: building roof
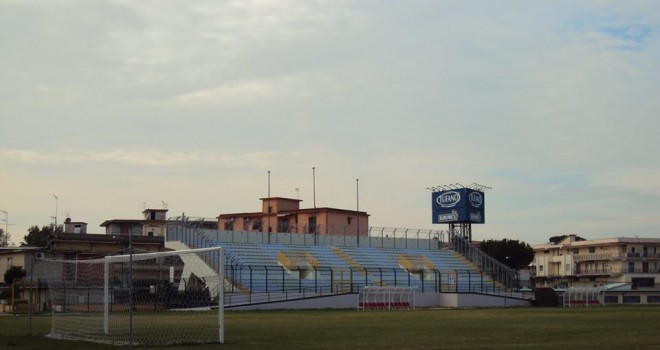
(282, 198)
(9, 250)
(122, 221)
(256, 214)
(597, 242)
(99, 238)
(292, 212)
(148, 210)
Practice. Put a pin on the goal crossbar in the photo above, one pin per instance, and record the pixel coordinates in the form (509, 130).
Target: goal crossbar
(165, 283)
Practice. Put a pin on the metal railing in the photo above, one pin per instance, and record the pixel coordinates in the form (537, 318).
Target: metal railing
(261, 280)
(616, 271)
(612, 256)
(499, 272)
(195, 233)
(593, 256)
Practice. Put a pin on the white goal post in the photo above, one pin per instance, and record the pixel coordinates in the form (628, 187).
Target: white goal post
(161, 298)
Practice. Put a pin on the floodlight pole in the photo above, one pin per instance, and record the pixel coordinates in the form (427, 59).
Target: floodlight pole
(357, 211)
(314, 184)
(314, 192)
(268, 210)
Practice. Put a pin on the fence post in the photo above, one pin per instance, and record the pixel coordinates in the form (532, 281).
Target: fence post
(266, 269)
(251, 286)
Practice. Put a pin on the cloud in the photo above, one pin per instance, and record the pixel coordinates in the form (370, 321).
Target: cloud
(536, 100)
(641, 180)
(140, 157)
(278, 89)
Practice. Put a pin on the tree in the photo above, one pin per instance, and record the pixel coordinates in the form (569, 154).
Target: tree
(39, 237)
(513, 253)
(13, 273)
(557, 239)
(4, 238)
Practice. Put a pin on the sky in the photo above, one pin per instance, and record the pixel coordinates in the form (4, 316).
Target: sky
(115, 106)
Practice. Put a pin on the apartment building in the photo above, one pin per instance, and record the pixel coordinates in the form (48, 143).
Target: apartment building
(572, 262)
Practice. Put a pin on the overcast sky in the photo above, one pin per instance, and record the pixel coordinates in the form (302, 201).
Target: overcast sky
(115, 105)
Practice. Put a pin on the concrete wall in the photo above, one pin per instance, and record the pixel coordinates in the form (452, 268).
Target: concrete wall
(346, 301)
(422, 300)
(478, 300)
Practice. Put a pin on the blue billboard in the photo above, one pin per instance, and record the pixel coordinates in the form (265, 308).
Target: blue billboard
(463, 205)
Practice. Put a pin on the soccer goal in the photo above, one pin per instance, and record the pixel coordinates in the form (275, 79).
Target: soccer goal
(147, 299)
(386, 298)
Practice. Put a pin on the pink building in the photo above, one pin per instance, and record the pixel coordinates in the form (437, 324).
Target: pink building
(284, 215)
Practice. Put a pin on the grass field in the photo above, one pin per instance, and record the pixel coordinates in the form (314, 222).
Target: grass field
(524, 328)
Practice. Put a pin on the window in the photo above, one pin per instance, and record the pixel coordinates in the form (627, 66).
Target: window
(632, 299)
(150, 233)
(311, 224)
(10, 262)
(541, 268)
(567, 268)
(631, 267)
(653, 299)
(611, 299)
(229, 225)
(348, 220)
(256, 225)
(643, 282)
(592, 249)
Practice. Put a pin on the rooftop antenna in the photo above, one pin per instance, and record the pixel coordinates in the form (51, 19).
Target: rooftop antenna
(163, 204)
(297, 192)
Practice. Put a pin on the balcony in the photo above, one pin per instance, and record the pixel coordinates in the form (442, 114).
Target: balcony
(640, 271)
(642, 255)
(616, 271)
(593, 272)
(594, 256)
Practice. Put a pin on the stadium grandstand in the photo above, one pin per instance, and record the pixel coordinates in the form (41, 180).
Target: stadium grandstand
(266, 270)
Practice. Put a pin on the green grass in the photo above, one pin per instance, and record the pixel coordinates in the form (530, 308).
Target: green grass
(525, 328)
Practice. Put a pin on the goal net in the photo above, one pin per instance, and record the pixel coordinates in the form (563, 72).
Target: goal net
(148, 299)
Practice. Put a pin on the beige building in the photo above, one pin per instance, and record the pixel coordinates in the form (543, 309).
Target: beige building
(153, 224)
(572, 263)
(285, 215)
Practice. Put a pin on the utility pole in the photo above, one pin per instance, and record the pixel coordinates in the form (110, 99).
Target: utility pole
(5, 239)
(56, 204)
